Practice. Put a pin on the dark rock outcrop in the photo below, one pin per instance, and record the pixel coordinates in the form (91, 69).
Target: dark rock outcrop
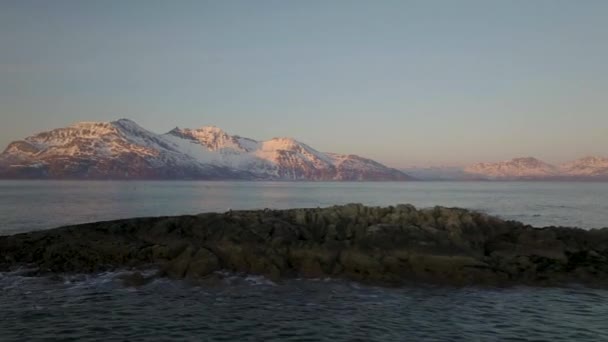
(391, 245)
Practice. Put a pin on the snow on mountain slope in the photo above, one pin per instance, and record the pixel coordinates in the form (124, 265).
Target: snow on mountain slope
(98, 139)
(518, 168)
(277, 158)
(123, 149)
(586, 167)
(119, 149)
(367, 169)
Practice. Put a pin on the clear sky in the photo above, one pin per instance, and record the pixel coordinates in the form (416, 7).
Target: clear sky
(403, 82)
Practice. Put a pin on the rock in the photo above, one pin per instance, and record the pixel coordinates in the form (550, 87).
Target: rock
(202, 264)
(178, 267)
(391, 245)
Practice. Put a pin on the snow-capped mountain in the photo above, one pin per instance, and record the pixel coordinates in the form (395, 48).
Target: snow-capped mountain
(120, 149)
(586, 167)
(518, 168)
(124, 150)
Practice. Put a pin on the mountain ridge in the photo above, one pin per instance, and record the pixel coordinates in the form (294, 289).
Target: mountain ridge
(589, 168)
(122, 149)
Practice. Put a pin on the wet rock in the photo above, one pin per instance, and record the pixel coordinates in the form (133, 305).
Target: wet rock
(178, 266)
(202, 263)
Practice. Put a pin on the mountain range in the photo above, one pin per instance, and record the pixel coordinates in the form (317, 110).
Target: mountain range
(124, 150)
(527, 168)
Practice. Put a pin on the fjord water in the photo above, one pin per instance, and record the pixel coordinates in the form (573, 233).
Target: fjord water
(250, 308)
(34, 205)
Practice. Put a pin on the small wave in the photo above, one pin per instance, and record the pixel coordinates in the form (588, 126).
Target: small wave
(232, 278)
(324, 280)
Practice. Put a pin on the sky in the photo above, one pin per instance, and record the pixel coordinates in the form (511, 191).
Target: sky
(403, 82)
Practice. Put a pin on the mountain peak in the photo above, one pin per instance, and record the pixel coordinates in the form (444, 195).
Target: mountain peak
(125, 121)
(89, 124)
(93, 128)
(212, 137)
(586, 166)
(522, 167)
(211, 129)
(592, 160)
(82, 129)
(284, 139)
(525, 160)
(127, 124)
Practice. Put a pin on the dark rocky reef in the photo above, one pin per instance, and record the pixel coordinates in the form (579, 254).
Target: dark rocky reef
(392, 246)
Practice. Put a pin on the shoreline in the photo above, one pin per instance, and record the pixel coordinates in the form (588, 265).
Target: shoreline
(387, 246)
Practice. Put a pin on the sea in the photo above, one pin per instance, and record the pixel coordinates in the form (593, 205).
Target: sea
(246, 307)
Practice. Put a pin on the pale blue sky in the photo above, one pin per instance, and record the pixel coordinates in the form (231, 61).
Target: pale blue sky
(404, 82)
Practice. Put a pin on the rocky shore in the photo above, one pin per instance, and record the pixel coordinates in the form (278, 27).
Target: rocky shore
(381, 245)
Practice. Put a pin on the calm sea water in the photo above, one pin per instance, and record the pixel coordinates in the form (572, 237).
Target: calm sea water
(250, 308)
(33, 205)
